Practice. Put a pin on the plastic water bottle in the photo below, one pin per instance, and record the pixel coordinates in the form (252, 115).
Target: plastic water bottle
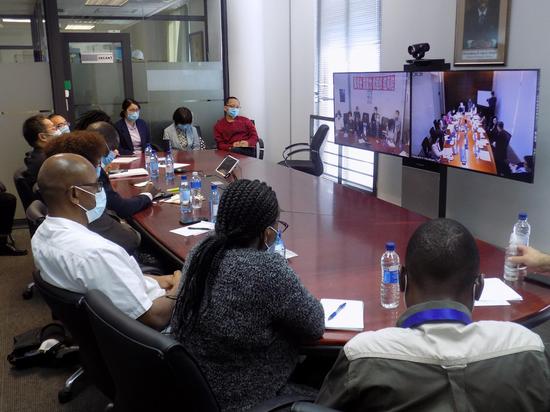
(148, 151)
(185, 197)
(389, 285)
(169, 162)
(154, 165)
(463, 156)
(512, 271)
(279, 244)
(214, 202)
(196, 196)
(522, 229)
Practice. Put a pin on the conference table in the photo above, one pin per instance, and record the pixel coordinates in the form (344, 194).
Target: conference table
(339, 235)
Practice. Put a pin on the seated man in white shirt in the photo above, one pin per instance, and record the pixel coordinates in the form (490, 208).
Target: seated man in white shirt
(72, 257)
(437, 358)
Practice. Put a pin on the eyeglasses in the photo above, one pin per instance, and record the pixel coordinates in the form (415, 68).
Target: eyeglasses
(98, 186)
(280, 226)
(233, 106)
(62, 125)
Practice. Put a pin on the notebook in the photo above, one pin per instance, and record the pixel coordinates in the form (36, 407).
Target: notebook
(348, 318)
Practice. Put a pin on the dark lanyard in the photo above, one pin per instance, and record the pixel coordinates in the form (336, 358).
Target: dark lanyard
(436, 315)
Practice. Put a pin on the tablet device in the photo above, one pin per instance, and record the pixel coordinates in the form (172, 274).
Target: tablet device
(226, 166)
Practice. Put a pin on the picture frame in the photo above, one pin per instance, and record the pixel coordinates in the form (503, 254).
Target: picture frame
(481, 32)
(196, 46)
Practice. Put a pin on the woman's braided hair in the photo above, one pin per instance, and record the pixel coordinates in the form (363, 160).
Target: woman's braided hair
(247, 208)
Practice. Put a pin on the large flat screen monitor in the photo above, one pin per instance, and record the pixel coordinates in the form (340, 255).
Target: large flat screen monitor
(477, 120)
(371, 111)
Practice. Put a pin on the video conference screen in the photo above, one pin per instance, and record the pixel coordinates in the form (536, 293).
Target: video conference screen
(476, 120)
(371, 111)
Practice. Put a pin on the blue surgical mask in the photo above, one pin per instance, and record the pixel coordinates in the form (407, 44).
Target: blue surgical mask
(133, 116)
(106, 160)
(233, 112)
(186, 128)
(57, 133)
(65, 129)
(98, 170)
(100, 203)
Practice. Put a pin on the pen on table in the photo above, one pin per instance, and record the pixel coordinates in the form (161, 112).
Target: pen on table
(338, 310)
(199, 228)
(173, 189)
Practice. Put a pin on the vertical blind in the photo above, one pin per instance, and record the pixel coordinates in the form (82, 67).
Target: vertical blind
(348, 39)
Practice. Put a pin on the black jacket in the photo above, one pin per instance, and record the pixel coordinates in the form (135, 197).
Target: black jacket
(123, 207)
(126, 145)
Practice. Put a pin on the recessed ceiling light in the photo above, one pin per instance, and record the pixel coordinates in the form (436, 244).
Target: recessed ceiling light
(16, 20)
(79, 26)
(106, 3)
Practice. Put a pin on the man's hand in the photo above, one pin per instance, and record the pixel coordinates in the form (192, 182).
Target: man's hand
(237, 144)
(170, 283)
(150, 188)
(534, 260)
(244, 143)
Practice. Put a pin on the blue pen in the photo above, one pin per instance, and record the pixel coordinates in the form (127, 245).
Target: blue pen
(338, 309)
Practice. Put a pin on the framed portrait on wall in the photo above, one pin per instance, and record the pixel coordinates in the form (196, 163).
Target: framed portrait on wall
(481, 32)
(196, 46)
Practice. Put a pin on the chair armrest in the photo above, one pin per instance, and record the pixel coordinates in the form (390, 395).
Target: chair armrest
(280, 402)
(310, 407)
(297, 151)
(293, 145)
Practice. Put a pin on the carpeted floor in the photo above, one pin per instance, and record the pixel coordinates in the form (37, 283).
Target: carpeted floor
(32, 389)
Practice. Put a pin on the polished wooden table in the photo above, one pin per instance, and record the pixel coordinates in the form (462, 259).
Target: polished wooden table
(339, 235)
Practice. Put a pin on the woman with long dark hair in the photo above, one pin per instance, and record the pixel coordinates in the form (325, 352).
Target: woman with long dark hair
(242, 311)
(133, 131)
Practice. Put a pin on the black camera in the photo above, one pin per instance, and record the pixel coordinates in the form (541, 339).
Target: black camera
(419, 50)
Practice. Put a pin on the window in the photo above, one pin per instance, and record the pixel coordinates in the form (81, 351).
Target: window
(348, 39)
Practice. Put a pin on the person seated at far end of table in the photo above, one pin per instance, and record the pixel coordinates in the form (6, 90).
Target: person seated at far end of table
(437, 358)
(124, 207)
(60, 122)
(242, 312)
(182, 135)
(72, 257)
(235, 133)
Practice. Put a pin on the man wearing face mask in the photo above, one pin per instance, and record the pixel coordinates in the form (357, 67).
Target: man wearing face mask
(182, 135)
(60, 123)
(235, 133)
(437, 358)
(37, 131)
(72, 257)
(124, 207)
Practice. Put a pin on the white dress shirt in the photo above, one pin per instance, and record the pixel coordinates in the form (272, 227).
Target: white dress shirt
(72, 257)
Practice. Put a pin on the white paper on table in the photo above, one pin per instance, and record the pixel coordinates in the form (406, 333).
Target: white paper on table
(129, 173)
(124, 160)
(496, 290)
(176, 165)
(289, 254)
(217, 183)
(185, 231)
(491, 303)
(349, 318)
(175, 199)
(447, 152)
(484, 155)
(141, 184)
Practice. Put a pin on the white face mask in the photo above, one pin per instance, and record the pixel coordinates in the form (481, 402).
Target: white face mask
(100, 204)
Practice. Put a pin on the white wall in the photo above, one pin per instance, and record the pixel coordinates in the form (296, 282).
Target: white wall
(271, 67)
(487, 205)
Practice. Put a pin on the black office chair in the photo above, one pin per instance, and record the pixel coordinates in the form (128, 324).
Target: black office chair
(35, 214)
(67, 307)
(313, 166)
(152, 371)
(24, 190)
(260, 148)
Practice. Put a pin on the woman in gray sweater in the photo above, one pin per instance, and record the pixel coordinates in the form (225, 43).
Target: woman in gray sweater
(242, 311)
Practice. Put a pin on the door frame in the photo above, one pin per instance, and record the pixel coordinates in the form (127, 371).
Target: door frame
(122, 38)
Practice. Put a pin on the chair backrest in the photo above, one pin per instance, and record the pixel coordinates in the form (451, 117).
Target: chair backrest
(66, 306)
(151, 371)
(260, 148)
(35, 214)
(24, 190)
(316, 144)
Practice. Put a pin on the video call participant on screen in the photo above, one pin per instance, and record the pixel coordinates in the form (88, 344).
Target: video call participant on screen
(461, 109)
(242, 312)
(37, 131)
(124, 207)
(500, 149)
(437, 358)
(492, 102)
(365, 124)
(358, 121)
(375, 123)
(235, 133)
(91, 146)
(397, 126)
(133, 131)
(74, 258)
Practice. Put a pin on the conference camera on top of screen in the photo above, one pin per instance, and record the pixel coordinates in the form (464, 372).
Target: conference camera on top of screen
(419, 50)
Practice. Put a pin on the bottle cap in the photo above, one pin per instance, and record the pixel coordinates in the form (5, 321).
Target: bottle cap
(195, 173)
(390, 246)
(213, 187)
(522, 216)
(184, 177)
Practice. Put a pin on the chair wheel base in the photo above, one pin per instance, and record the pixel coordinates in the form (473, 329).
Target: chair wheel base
(64, 396)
